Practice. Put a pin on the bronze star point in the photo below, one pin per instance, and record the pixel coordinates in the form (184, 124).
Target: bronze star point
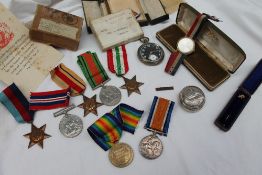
(37, 136)
(90, 105)
(131, 85)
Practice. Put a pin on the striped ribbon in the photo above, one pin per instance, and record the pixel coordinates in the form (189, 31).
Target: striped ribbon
(92, 69)
(49, 100)
(177, 58)
(108, 129)
(16, 103)
(160, 115)
(117, 60)
(65, 77)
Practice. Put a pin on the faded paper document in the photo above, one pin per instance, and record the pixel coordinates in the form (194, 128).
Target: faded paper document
(23, 61)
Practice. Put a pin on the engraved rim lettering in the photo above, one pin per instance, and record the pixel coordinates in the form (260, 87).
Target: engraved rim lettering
(151, 147)
(71, 125)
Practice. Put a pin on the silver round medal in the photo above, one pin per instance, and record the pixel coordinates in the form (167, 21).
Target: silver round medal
(192, 98)
(151, 147)
(71, 125)
(110, 95)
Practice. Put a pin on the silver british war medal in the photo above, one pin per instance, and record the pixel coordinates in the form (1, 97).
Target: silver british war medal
(158, 120)
(150, 53)
(70, 125)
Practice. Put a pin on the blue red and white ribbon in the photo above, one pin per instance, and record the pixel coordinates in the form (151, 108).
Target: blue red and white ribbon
(16, 103)
(160, 115)
(176, 58)
(49, 100)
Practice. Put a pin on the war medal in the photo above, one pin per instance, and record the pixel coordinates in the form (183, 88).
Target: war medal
(150, 53)
(158, 120)
(70, 125)
(131, 85)
(110, 95)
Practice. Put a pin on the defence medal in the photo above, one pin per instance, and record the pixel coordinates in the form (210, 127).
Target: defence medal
(158, 120)
(150, 53)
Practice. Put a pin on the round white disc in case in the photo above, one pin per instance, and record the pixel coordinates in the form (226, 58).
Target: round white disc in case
(186, 45)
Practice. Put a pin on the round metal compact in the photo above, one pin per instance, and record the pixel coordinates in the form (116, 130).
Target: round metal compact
(121, 155)
(186, 45)
(71, 125)
(192, 98)
(110, 95)
(151, 147)
(150, 53)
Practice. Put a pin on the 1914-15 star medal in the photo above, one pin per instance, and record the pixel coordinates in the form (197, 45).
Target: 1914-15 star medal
(90, 105)
(131, 85)
(37, 136)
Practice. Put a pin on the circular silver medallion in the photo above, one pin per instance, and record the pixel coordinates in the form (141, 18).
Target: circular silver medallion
(192, 98)
(151, 147)
(186, 45)
(110, 95)
(71, 125)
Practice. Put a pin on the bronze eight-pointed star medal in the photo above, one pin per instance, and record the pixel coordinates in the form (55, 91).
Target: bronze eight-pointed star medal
(37, 136)
(131, 85)
(90, 105)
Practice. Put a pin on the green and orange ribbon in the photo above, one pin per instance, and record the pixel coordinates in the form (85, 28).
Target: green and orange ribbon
(92, 69)
(108, 129)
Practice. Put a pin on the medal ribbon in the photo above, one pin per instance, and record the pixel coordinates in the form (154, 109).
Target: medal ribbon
(92, 69)
(49, 100)
(108, 129)
(16, 103)
(65, 77)
(177, 57)
(160, 115)
(117, 60)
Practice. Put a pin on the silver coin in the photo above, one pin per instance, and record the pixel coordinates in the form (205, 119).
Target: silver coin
(192, 98)
(151, 147)
(71, 125)
(110, 95)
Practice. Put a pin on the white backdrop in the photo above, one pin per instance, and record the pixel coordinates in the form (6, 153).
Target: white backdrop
(193, 146)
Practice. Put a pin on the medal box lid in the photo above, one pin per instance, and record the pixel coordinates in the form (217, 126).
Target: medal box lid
(145, 11)
(212, 40)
